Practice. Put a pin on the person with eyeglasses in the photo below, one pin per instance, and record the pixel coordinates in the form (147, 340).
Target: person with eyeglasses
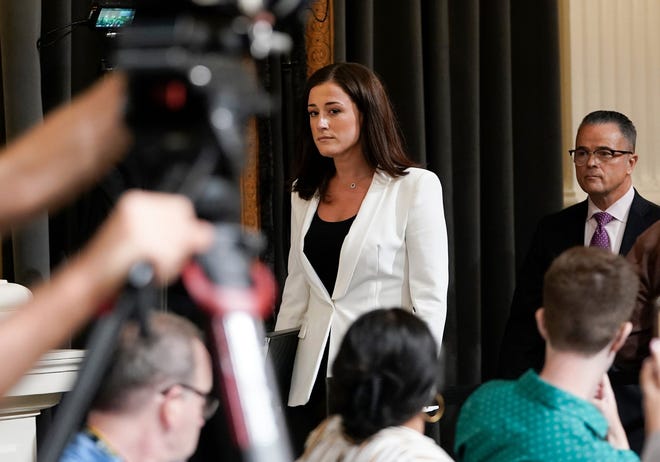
(613, 216)
(154, 399)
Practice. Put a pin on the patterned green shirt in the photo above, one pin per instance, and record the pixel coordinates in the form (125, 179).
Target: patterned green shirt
(531, 420)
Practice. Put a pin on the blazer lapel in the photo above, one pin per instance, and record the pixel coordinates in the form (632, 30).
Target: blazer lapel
(314, 279)
(354, 241)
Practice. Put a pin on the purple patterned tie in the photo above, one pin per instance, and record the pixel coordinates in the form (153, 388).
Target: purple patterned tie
(600, 237)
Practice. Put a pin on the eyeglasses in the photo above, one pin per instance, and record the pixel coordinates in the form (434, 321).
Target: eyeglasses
(210, 402)
(604, 155)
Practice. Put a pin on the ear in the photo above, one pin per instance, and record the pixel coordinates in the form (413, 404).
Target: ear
(540, 323)
(632, 161)
(170, 407)
(621, 335)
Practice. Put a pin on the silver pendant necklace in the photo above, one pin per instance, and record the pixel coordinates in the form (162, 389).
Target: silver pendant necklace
(354, 184)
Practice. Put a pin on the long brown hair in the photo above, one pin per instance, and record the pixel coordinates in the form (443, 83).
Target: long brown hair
(380, 134)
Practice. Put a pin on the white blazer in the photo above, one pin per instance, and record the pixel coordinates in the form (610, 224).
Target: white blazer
(394, 255)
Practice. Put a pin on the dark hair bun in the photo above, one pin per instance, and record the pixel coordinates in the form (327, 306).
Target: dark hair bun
(385, 371)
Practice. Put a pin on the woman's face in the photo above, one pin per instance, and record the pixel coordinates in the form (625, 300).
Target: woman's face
(334, 121)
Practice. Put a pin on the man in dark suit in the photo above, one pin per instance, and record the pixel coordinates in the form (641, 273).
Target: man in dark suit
(604, 158)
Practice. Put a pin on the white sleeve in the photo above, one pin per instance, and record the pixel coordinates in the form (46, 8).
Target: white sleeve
(428, 259)
(295, 296)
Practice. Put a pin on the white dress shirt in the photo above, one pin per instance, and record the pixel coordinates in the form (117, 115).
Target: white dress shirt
(615, 228)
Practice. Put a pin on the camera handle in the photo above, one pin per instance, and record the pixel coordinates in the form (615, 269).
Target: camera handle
(237, 293)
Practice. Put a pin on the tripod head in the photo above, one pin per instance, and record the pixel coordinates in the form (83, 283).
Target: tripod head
(192, 84)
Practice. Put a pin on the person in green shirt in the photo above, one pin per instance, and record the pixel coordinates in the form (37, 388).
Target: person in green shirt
(568, 411)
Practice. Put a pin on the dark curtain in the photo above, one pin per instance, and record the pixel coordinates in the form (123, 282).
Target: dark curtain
(476, 87)
(69, 65)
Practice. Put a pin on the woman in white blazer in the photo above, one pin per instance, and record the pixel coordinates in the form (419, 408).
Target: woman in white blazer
(367, 228)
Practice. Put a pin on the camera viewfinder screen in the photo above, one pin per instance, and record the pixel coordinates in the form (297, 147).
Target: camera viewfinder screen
(115, 17)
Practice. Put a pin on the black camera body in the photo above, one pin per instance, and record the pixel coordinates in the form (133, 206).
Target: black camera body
(192, 87)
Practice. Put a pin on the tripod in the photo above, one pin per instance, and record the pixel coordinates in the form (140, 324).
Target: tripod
(236, 293)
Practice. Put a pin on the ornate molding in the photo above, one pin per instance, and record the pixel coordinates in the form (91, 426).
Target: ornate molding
(250, 210)
(319, 35)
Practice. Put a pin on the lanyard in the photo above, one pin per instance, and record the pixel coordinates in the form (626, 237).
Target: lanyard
(100, 443)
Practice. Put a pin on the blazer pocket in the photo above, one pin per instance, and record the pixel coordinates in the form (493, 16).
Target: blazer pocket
(303, 330)
(377, 283)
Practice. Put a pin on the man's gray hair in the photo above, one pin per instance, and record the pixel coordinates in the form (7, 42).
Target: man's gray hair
(141, 364)
(626, 127)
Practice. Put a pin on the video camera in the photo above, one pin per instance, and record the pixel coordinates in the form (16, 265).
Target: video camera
(192, 84)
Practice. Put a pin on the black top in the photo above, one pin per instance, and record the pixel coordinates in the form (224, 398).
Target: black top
(323, 243)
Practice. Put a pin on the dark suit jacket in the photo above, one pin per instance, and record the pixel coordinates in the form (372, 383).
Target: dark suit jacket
(522, 346)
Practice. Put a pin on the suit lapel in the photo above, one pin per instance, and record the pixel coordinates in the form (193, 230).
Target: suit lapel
(636, 223)
(575, 237)
(354, 241)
